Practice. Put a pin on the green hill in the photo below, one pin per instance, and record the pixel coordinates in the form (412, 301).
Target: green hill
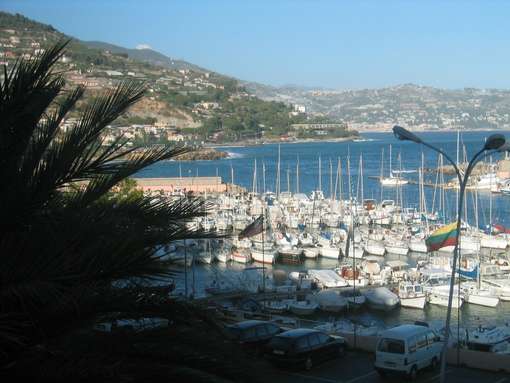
(181, 96)
(145, 55)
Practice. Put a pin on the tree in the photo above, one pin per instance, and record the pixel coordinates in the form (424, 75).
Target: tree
(67, 244)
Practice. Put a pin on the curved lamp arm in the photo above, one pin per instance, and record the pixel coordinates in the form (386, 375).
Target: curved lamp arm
(405, 135)
(448, 158)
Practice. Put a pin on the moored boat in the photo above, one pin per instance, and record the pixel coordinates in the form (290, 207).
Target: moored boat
(303, 307)
(411, 295)
(381, 298)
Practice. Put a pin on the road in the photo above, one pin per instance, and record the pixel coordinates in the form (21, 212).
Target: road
(358, 367)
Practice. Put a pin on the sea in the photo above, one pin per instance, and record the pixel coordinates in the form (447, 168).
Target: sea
(317, 164)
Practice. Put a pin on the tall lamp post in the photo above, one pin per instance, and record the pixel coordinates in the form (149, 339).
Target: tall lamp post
(495, 142)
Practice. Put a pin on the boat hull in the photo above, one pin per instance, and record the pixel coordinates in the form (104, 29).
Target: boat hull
(311, 253)
(481, 300)
(442, 300)
(397, 250)
(375, 249)
(302, 310)
(415, 303)
(263, 257)
(330, 252)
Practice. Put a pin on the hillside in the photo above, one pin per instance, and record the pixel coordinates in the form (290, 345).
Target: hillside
(417, 107)
(183, 102)
(145, 55)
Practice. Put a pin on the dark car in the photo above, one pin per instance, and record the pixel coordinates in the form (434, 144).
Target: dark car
(304, 348)
(253, 334)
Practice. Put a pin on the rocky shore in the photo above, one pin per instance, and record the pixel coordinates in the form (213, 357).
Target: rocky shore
(202, 154)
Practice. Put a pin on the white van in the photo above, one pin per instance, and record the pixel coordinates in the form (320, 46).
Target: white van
(407, 349)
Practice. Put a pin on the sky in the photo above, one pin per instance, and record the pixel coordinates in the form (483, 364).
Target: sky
(316, 43)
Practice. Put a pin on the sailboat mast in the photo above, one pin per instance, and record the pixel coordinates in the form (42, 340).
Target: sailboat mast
(457, 161)
(361, 176)
(382, 173)
(320, 173)
(336, 179)
(254, 183)
(288, 178)
(278, 174)
(340, 181)
(490, 194)
(297, 175)
(330, 179)
(264, 176)
(390, 162)
(349, 176)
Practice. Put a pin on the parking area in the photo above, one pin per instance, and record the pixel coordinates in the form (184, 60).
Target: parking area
(357, 367)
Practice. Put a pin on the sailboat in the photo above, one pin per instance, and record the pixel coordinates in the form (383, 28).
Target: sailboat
(491, 240)
(479, 296)
(392, 180)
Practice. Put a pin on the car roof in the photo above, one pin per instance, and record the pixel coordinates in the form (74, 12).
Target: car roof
(298, 333)
(404, 331)
(248, 324)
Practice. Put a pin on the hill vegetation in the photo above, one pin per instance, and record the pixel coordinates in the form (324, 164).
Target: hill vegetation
(182, 98)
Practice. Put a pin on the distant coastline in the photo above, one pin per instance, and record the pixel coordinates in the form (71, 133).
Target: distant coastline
(437, 130)
(277, 141)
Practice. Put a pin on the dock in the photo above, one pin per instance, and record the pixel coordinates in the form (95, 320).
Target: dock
(426, 184)
(187, 184)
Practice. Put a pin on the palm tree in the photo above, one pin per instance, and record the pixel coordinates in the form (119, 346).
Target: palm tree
(66, 242)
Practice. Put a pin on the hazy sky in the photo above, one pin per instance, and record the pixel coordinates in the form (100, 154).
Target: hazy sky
(333, 44)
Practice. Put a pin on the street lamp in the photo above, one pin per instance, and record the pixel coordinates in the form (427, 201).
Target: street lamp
(496, 142)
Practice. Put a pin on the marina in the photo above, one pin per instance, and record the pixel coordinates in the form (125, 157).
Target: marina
(336, 255)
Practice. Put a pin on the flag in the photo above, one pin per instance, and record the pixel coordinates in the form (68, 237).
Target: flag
(254, 228)
(497, 229)
(442, 237)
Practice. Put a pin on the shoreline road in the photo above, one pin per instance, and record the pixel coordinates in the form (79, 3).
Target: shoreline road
(358, 367)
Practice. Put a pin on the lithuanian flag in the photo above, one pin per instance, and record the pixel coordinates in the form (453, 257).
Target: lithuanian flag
(442, 237)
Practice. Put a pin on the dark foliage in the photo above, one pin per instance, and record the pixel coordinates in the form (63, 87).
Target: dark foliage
(65, 239)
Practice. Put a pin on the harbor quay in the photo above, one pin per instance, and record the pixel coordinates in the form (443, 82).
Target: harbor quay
(362, 347)
(186, 185)
(357, 367)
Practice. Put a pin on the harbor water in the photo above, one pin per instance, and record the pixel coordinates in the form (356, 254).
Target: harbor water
(491, 208)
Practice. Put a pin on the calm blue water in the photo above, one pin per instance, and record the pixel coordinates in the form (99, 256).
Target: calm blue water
(242, 162)
(243, 158)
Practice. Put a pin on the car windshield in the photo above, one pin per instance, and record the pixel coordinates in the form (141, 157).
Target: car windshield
(281, 343)
(393, 346)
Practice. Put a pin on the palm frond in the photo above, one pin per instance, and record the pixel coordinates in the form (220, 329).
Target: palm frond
(66, 240)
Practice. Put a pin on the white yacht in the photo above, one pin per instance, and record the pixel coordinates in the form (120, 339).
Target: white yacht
(496, 339)
(374, 248)
(418, 245)
(330, 251)
(398, 247)
(478, 296)
(267, 255)
(493, 242)
(411, 295)
(437, 291)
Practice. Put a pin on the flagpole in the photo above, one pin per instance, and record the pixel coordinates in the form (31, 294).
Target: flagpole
(263, 250)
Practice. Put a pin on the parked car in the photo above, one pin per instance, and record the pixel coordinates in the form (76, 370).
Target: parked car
(253, 334)
(304, 347)
(407, 349)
